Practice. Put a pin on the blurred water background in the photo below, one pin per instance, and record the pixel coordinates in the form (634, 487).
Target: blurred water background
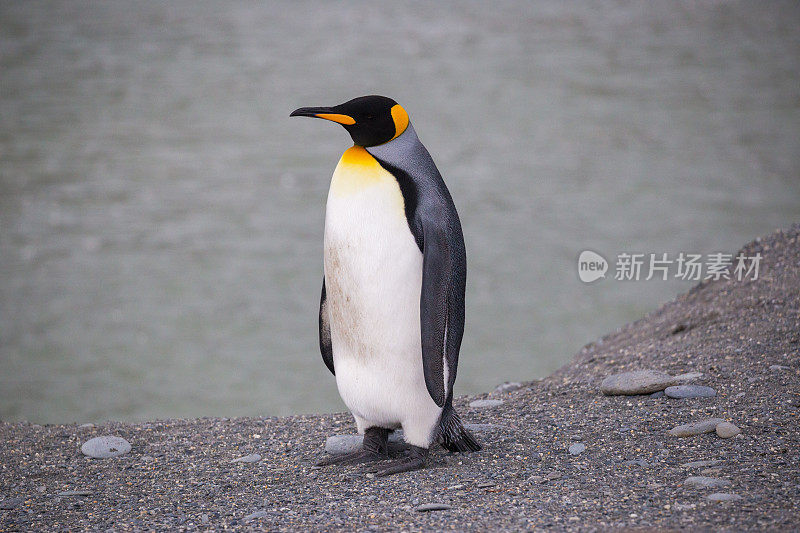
(161, 217)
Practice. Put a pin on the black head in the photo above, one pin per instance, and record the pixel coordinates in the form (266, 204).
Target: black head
(370, 120)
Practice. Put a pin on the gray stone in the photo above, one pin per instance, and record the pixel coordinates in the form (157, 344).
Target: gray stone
(700, 464)
(727, 430)
(252, 458)
(690, 391)
(485, 403)
(254, 516)
(75, 493)
(723, 497)
(703, 482)
(636, 382)
(688, 377)
(88, 425)
(10, 503)
(508, 386)
(577, 448)
(339, 444)
(695, 428)
(427, 507)
(778, 368)
(105, 447)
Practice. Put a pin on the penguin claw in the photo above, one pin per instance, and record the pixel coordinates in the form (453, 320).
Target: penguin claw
(353, 458)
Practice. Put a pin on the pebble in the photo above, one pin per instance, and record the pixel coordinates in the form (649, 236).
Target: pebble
(204, 518)
(695, 428)
(10, 503)
(699, 464)
(105, 447)
(552, 476)
(778, 368)
(636, 382)
(727, 430)
(636, 462)
(88, 425)
(486, 485)
(427, 507)
(75, 493)
(486, 403)
(577, 448)
(690, 391)
(704, 482)
(508, 386)
(723, 497)
(688, 377)
(252, 458)
(254, 516)
(483, 428)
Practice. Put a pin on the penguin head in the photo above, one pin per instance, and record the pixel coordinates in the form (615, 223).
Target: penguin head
(370, 120)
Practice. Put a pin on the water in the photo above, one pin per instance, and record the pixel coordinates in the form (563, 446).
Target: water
(161, 216)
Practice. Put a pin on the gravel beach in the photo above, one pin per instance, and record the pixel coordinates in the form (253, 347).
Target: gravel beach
(558, 453)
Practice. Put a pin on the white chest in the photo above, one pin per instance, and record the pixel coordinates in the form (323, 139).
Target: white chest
(373, 267)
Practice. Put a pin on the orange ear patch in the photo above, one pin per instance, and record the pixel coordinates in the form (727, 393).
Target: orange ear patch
(400, 118)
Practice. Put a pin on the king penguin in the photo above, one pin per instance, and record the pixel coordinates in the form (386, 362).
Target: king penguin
(391, 315)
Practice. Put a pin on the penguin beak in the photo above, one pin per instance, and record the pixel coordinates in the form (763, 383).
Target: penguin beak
(327, 113)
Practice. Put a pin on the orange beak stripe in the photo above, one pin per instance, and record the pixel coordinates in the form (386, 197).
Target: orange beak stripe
(341, 119)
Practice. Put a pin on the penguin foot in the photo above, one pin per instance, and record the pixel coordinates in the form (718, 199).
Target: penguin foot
(375, 448)
(353, 458)
(416, 459)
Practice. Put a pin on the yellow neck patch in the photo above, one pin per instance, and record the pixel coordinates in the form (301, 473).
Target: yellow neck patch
(357, 169)
(400, 118)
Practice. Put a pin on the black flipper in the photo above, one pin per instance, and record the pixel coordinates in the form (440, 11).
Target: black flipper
(325, 331)
(434, 223)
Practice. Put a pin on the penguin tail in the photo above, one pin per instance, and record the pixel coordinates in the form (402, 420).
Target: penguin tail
(454, 436)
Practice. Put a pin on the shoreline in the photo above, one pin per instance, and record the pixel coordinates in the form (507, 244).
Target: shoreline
(558, 453)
